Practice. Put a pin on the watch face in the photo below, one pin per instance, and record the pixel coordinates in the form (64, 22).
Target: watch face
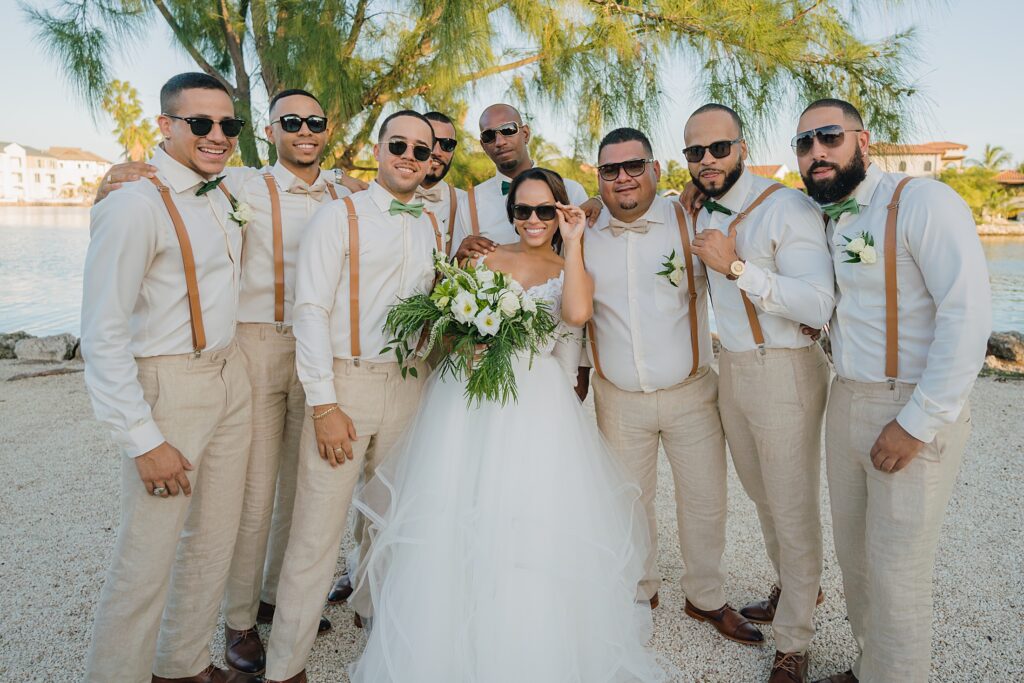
(737, 268)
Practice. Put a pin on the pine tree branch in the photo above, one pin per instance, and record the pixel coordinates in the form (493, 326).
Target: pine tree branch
(189, 47)
(358, 19)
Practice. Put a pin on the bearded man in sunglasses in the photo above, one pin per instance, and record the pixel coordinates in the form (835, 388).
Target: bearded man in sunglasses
(159, 304)
(438, 196)
(909, 333)
(650, 346)
(358, 257)
(483, 219)
(770, 271)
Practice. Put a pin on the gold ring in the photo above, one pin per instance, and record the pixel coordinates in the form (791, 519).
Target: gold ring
(339, 449)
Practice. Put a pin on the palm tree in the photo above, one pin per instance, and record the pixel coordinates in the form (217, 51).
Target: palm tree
(993, 158)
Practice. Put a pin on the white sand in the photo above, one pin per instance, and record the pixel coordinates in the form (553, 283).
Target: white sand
(59, 506)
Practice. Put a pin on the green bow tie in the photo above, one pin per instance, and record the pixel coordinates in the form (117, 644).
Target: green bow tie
(835, 211)
(414, 210)
(711, 205)
(209, 185)
(504, 186)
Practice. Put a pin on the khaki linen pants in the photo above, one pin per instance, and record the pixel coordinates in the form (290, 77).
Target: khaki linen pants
(278, 408)
(685, 419)
(203, 408)
(381, 405)
(772, 408)
(887, 528)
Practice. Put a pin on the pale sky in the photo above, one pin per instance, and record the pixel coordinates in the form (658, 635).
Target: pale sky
(969, 69)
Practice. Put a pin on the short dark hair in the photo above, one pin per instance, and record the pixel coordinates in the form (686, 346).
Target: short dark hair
(404, 112)
(714, 106)
(620, 135)
(190, 80)
(554, 183)
(288, 93)
(851, 112)
(439, 117)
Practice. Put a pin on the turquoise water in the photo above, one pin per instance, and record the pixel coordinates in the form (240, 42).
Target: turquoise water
(43, 252)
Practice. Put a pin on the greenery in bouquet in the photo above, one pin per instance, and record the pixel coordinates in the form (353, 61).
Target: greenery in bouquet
(480, 318)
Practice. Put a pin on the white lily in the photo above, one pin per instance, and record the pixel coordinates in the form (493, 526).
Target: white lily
(488, 322)
(464, 307)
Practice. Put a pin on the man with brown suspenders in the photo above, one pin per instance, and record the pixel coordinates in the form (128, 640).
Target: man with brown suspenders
(651, 351)
(282, 198)
(358, 257)
(159, 301)
(770, 271)
(909, 333)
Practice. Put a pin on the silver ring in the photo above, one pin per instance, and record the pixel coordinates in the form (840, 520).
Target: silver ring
(339, 449)
(159, 490)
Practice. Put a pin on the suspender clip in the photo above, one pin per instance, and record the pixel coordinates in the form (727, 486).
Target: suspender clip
(761, 349)
(280, 327)
(197, 353)
(892, 384)
(355, 361)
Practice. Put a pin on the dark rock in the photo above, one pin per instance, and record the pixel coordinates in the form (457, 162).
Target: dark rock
(1008, 346)
(59, 347)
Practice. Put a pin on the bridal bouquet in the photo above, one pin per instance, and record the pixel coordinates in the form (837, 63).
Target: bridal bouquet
(481, 318)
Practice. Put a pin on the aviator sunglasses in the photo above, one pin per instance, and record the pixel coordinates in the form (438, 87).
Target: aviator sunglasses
(633, 168)
(201, 125)
(507, 130)
(292, 123)
(829, 136)
(522, 212)
(398, 147)
(719, 150)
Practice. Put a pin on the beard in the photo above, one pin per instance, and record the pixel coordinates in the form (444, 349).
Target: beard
(731, 176)
(431, 179)
(846, 180)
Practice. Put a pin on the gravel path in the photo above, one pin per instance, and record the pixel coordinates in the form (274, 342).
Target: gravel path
(59, 506)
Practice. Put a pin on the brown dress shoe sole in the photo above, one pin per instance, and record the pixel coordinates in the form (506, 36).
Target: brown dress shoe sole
(750, 643)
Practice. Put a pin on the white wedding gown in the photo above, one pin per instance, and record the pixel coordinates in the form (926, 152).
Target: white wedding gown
(507, 542)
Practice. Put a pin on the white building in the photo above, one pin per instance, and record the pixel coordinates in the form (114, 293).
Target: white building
(63, 174)
(928, 159)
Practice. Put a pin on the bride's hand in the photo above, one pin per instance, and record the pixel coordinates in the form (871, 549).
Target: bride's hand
(571, 221)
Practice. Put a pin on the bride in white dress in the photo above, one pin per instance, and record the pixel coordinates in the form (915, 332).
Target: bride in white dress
(507, 541)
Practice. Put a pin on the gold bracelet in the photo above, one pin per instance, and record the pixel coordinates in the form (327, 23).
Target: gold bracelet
(326, 412)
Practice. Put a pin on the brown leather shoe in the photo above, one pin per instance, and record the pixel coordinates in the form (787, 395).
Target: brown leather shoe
(243, 651)
(728, 622)
(654, 601)
(297, 678)
(340, 591)
(789, 667)
(763, 611)
(265, 615)
(210, 674)
(845, 677)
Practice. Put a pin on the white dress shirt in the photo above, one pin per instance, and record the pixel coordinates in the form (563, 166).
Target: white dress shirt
(438, 201)
(134, 300)
(256, 300)
(395, 262)
(643, 321)
(491, 212)
(788, 276)
(944, 302)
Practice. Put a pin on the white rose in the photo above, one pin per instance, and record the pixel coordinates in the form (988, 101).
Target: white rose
(484, 275)
(676, 277)
(241, 214)
(868, 255)
(508, 304)
(516, 288)
(529, 305)
(856, 246)
(464, 307)
(488, 322)
(677, 263)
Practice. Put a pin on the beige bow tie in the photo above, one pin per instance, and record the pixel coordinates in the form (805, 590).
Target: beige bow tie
(618, 227)
(432, 194)
(315, 191)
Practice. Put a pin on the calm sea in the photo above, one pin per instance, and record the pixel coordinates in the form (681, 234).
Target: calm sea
(42, 251)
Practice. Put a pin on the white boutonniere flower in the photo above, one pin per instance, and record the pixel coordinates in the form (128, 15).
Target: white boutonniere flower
(674, 267)
(488, 322)
(241, 213)
(860, 249)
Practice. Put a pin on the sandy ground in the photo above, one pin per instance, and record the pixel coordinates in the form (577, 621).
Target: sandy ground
(59, 506)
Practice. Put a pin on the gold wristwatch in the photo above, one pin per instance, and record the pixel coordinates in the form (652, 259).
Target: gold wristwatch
(736, 269)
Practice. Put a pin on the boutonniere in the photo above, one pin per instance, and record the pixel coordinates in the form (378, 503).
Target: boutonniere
(860, 249)
(673, 269)
(240, 212)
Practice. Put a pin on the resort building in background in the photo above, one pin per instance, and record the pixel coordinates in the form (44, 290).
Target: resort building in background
(56, 175)
(928, 159)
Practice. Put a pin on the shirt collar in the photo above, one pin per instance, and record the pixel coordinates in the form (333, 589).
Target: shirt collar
(287, 180)
(657, 212)
(178, 176)
(737, 194)
(866, 190)
(381, 196)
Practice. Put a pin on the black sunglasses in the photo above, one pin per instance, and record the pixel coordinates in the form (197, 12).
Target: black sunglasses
(292, 123)
(633, 168)
(829, 136)
(447, 144)
(522, 212)
(398, 147)
(719, 150)
(507, 130)
(200, 125)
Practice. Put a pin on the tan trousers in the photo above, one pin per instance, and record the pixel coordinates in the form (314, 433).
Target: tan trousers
(382, 405)
(278, 409)
(203, 407)
(685, 419)
(887, 528)
(772, 408)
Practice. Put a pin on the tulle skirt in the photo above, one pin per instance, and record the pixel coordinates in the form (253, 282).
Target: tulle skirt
(507, 544)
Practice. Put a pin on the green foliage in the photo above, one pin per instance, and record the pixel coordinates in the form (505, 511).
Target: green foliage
(135, 133)
(793, 179)
(674, 176)
(598, 62)
(993, 158)
(977, 187)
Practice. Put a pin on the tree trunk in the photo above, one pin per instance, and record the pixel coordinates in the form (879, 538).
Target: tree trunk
(247, 139)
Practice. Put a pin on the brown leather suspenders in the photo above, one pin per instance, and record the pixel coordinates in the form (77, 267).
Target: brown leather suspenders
(452, 208)
(474, 220)
(892, 330)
